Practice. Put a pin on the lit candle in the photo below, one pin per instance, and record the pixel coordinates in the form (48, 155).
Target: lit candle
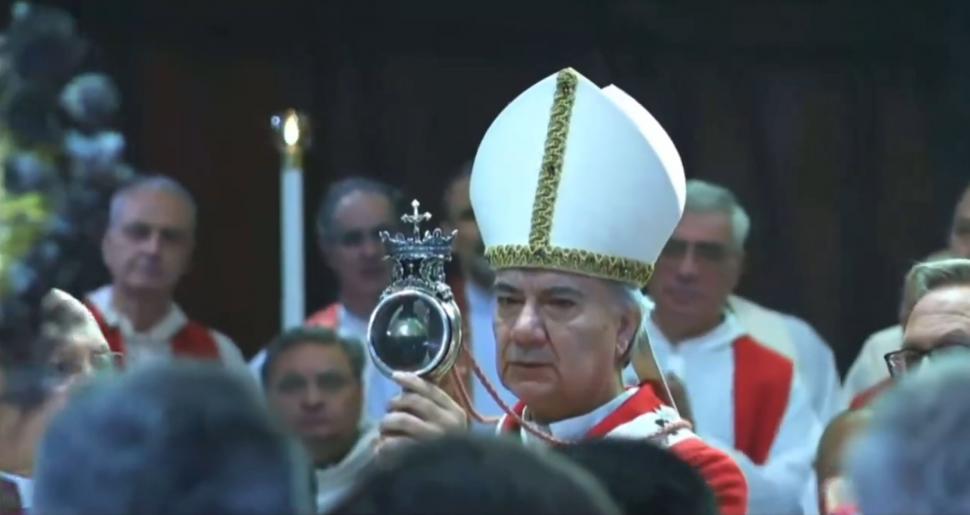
(293, 137)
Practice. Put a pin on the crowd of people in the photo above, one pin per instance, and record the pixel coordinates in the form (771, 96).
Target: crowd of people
(598, 298)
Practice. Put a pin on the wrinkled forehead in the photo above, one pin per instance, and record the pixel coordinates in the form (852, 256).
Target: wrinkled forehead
(941, 317)
(154, 207)
(539, 280)
(704, 227)
(362, 210)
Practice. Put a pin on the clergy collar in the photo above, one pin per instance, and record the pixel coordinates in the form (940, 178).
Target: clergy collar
(165, 329)
(575, 428)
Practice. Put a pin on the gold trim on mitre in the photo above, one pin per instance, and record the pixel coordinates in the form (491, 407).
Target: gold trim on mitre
(579, 261)
(539, 253)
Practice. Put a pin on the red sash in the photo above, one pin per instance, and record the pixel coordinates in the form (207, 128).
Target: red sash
(762, 384)
(643, 401)
(720, 472)
(328, 317)
(193, 340)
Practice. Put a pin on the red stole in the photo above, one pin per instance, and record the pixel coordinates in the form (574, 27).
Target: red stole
(762, 384)
(328, 317)
(193, 340)
(720, 472)
(643, 401)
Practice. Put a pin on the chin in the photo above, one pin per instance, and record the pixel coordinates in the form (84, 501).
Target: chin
(531, 392)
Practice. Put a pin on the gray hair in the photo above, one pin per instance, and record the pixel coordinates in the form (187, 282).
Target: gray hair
(160, 183)
(707, 197)
(913, 456)
(932, 275)
(180, 438)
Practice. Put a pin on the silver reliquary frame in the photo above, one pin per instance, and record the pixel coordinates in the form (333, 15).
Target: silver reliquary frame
(416, 326)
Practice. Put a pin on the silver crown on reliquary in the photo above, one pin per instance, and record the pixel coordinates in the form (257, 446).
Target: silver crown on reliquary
(419, 261)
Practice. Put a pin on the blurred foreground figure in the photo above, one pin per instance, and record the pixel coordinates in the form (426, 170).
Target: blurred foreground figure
(665, 483)
(475, 476)
(36, 378)
(914, 456)
(181, 438)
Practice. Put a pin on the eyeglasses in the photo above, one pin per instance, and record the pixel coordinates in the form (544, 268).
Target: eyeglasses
(357, 237)
(905, 360)
(711, 252)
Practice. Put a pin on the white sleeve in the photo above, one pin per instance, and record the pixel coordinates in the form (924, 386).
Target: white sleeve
(256, 364)
(778, 486)
(229, 353)
(817, 369)
(869, 367)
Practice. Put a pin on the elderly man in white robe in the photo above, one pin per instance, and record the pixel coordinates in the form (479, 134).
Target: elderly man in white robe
(744, 395)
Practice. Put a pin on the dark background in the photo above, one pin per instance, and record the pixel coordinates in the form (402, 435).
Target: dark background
(841, 125)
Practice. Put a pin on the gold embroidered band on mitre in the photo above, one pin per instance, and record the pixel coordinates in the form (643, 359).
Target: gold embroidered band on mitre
(539, 253)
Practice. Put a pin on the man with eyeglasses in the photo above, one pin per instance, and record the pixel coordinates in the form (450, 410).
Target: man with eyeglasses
(868, 374)
(147, 248)
(745, 396)
(349, 220)
(314, 383)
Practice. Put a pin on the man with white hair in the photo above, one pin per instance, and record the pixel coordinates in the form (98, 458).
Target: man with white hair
(785, 333)
(575, 190)
(147, 248)
(911, 455)
(745, 396)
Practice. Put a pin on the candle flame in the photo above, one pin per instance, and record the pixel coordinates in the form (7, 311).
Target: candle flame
(291, 130)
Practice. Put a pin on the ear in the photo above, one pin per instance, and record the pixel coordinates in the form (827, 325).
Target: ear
(104, 246)
(626, 332)
(738, 270)
(325, 249)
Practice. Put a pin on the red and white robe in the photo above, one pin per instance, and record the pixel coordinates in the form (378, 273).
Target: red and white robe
(175, 335)
(747, 400)
(639, 413)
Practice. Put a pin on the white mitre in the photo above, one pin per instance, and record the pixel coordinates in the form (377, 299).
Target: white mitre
(576, 178)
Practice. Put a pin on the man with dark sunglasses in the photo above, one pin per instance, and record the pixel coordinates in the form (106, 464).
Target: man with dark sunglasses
(746, 396)
(350, 218)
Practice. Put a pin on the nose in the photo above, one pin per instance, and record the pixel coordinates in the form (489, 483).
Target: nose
(528, 328)
(312, 398)
(153, 243)
(372, 247)
(687, 267)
